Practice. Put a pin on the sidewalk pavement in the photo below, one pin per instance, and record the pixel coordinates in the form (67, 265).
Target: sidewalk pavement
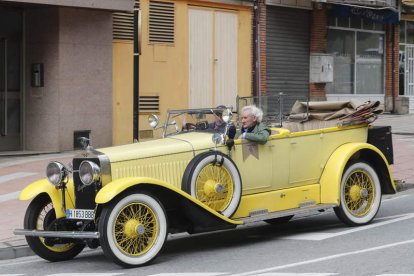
(19, 169)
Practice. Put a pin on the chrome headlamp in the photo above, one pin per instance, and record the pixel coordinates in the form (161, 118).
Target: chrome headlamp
(56, 173)
(89, 172)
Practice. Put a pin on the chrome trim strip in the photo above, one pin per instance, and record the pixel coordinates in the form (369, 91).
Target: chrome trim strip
(105, 168)
(57, 234)
(285, 213)
(105, 164)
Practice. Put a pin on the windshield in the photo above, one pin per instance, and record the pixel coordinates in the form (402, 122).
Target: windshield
(195, 120)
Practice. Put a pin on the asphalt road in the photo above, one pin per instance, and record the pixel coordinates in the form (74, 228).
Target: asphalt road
(313, 245)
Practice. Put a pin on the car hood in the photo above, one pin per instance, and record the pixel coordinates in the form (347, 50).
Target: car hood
(160, 147)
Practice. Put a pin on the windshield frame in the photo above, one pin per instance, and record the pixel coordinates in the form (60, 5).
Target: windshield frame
(198, 114)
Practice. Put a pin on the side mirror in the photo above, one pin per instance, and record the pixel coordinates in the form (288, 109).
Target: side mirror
(227, 115)
(153, 120)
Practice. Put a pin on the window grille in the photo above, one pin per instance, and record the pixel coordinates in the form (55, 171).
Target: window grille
(161, 22)
(123, 24)
(149, 104)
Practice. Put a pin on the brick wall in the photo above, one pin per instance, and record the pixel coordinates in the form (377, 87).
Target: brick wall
(261, 6)
(318, 44)
(392, 38)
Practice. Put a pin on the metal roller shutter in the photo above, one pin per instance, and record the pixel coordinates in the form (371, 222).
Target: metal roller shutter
(288, 39)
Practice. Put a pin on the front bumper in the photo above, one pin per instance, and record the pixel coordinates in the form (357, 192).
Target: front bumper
(57, 234)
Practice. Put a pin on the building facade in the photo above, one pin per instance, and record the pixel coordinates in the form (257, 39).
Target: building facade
(330, 50)
(193, 54)
(55, 73)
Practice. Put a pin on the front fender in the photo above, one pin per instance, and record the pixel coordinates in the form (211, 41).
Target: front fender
(43, 186)
(331, 176)
(114, 188)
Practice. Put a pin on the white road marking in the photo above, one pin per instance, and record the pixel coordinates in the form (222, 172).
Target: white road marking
(10, 196)
(85, 274)
(9, 177)
(323, 259)
(394, 198)
(297, 274)
(318, 236)
(14, 176)
(190, 274)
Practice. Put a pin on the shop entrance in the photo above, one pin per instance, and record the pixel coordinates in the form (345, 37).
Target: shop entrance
(10, 79)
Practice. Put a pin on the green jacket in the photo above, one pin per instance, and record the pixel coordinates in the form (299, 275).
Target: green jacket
(259, 134)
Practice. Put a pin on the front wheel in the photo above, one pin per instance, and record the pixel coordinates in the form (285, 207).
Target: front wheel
(360, 195)
(40, 215)
(133, 229)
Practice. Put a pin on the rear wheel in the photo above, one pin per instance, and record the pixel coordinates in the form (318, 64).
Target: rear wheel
(133, 229)
(40, 215)
(360, 195)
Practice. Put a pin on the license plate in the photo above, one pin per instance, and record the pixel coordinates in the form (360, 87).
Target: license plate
(80, 214)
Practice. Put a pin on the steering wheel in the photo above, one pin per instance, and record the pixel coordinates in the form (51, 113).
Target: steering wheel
(190, 126)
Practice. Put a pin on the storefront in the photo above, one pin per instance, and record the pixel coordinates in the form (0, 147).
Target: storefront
(356, 39)
(287, 49)
(406, 65)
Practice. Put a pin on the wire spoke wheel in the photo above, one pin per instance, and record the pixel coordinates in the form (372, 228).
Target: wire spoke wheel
(213, 178)
(360, 196)
(45, 218)
(359, 193)
(40, 215)
(214, 187)
(133, 229)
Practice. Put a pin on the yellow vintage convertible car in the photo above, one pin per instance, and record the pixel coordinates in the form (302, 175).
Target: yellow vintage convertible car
(128, 198)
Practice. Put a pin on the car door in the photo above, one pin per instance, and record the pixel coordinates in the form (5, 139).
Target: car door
(254, 162)
(305, 158)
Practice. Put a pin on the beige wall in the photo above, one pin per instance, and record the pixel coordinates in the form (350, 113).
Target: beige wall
(122, 98)
(164, 68)
(75, 47)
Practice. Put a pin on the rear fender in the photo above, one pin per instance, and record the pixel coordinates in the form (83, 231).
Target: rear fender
(43, 186)
(113, 189)
(331, 176)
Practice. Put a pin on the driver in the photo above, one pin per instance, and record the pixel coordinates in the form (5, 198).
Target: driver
(218, 125)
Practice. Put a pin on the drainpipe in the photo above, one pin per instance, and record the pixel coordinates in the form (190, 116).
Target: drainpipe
(393, 67)
(256, 48)
(137, 33)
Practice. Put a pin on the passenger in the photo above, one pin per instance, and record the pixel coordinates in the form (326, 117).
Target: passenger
(253, 129)
(218, 125)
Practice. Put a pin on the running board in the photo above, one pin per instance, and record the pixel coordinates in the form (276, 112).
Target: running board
(260, 215)
(57, 234)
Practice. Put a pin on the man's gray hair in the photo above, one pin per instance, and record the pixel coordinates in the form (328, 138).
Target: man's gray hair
(255, 111)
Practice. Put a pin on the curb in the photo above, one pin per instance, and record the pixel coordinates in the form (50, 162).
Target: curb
(403, 186)
(14, 249)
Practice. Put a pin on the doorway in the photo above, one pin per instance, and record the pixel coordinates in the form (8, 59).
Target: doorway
(10, 79)
(212, 57)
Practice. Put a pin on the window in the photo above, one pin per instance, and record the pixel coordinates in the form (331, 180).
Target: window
(358, 53)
